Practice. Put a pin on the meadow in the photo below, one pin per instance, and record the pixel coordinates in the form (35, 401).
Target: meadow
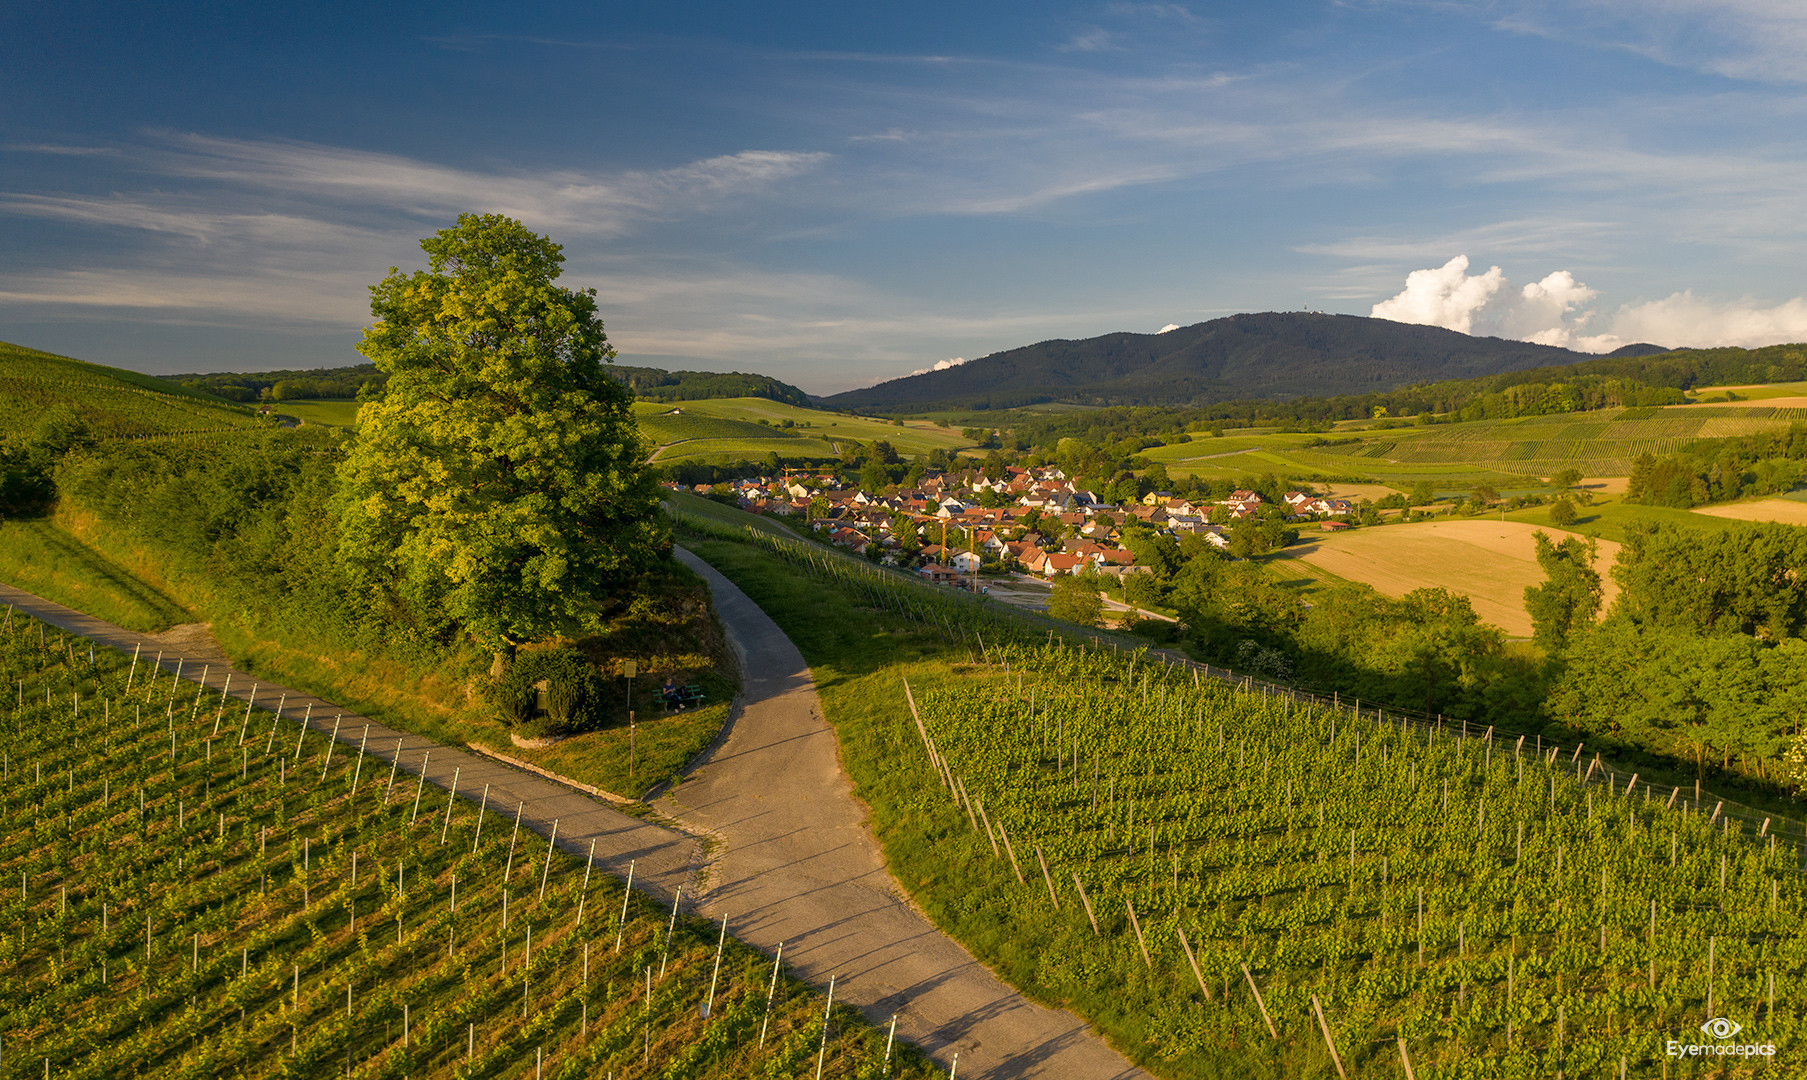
(256, 900)
(320, 411)
(1507, 454)
(724, 430)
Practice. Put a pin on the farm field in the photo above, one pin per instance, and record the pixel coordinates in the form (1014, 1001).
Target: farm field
(1612, 519)
(178, 933)
(1785, 511)
(728, 429)
(1768, 393)
(1489, 561)
(336, 413)
(1235, 880)
(1508, 454)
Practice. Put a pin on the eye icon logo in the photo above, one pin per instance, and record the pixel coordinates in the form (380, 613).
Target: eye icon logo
(1721, 1028)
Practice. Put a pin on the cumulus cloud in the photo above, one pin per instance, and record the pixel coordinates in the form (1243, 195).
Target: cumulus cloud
(1447, 296)
(1685, 320)
(1169, 326)
(941, 365)
(1558, 310)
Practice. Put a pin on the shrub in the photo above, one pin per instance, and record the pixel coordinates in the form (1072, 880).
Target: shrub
(573, 693)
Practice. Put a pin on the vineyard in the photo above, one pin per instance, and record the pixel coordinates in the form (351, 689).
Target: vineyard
(195, 886)
(1229, 878)
(112, 401)
(1233, 860)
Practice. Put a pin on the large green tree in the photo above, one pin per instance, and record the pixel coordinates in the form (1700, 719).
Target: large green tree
(496, 488)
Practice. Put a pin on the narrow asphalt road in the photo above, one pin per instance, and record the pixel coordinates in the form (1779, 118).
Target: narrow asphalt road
(787, 855)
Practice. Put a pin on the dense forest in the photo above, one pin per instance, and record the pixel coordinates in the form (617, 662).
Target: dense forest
(359, 380)
(1715, 470)
(653, 384)
(364, 380)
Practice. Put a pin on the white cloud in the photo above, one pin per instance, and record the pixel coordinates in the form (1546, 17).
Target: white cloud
(1557, 310)
(941, 365)
(1446, 297)
(1684, 320)
(1169, 326)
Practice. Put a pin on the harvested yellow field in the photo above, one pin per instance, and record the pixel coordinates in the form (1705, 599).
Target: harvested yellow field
(1606, 485)
(1786, 511)
(1355, 493)
(1490, 562)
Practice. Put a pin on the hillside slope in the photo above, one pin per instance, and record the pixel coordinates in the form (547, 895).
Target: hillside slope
(113, 401)
(1268, 355)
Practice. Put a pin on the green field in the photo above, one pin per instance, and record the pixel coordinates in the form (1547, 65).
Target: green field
(1507, 454)
(334, 413)
(113, 402)
(257, 904)
(723, 430)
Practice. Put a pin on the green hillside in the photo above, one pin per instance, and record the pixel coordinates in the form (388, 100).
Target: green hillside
(112, 401)
(1603, 442)
(724, 430)
(261, 905)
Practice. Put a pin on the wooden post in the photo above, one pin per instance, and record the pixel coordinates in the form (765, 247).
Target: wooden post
(1137, 924)
(1403, 1058)
(1190, 959)
(986, 818)
(1020, 880)
(1086, 900)
(1047, 877)
(1325, 1028)
(1261, 1004)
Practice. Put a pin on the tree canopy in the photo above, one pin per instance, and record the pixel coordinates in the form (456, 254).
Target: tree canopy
(496, 488)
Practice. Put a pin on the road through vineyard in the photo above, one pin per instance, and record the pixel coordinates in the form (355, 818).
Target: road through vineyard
(790, 857)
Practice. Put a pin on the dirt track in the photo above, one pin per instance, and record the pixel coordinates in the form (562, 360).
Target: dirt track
(789, 856)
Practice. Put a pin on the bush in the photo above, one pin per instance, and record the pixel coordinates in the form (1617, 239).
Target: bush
(573, 693)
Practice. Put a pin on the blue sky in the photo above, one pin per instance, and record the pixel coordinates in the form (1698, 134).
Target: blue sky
(835, 195)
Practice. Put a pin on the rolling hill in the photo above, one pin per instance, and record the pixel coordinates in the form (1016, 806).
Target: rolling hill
(1274, 355)
(112, 401)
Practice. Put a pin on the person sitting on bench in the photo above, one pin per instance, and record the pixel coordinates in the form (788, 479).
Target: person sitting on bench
(674, 698)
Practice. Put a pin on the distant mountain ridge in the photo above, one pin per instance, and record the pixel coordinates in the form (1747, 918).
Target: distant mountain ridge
(1272, 355)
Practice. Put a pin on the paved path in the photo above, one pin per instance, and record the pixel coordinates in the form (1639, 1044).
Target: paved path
(800, 866)
(789, 856)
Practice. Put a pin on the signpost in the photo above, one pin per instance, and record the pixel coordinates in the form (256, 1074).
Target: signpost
(632, 668)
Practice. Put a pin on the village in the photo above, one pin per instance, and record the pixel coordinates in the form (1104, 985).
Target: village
(1029, 521)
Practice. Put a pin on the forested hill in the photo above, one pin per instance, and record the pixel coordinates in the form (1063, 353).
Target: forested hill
(1274, 355)
(654, 384)
(648, 384)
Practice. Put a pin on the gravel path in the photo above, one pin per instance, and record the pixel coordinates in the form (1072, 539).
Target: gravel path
(772, 838)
